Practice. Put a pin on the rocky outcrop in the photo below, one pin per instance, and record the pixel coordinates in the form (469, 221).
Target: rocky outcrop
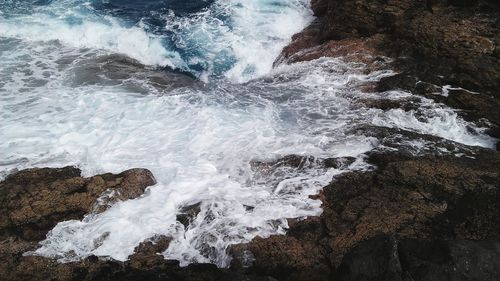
(417, 216)
(145, 264)
(458, 40)
(35, 200)
(430, 198)
(413, 217)
(432, 43)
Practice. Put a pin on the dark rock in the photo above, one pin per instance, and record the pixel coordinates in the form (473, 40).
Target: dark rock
(188, 214)
(401, 81)
(148, 253)
(338, 162)
(450, 260)
(428, 197)
(296, 256)
(34, 200)
(307, 46)
(374, 259)
(474, 107)
(386, 259)
(425, 89)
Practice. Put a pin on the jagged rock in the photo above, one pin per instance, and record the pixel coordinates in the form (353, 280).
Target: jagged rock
(474, 107)
(427, 197)
(188, 214)
(374, 259)
(297, 256)
(35, 200)
(434, 43)
(307, 45)
(454, 40)
(148, 253)
(300, 162)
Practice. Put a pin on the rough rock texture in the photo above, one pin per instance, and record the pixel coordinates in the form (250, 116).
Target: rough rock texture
(428, 197)
(307, 45)
(145, 264)
(385, 258)
(456, 39)
(33, 201)
(433, 43)
(426, 217)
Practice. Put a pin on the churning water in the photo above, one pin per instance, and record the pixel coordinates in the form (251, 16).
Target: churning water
(187, 90)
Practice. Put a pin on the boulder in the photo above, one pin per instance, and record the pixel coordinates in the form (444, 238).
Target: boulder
(35, 200)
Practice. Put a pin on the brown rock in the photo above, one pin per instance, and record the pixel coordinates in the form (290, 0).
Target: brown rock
(427, 197)
(148, 253)
(455, 40)
(35, 200)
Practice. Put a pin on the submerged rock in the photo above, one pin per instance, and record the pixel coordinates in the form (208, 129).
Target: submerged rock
(188, 214)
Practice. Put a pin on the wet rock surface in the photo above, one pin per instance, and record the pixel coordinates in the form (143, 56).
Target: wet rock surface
(472, 106)
(421, 214)
(411, 218)
(432, 44)
(430, 198)
(430, 214)
(457, 40)
(33, 201)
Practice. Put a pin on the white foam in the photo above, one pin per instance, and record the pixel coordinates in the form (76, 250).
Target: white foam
(236, 38)
(437, 120)
(262, 30)
(199, 146)
(112, 37)
(199, 142)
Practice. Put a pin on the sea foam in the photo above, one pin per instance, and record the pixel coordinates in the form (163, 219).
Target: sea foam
(204, 142)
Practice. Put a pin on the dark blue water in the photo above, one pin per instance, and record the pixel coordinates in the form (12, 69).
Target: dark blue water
(210, 39)
(136, 10)
(176, 37)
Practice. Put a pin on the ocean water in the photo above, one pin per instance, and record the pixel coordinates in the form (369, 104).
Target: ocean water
(187, 90)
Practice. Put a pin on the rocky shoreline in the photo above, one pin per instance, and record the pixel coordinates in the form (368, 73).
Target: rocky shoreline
(418, 216)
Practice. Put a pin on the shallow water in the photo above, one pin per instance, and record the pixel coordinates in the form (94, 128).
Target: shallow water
(188, 92)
